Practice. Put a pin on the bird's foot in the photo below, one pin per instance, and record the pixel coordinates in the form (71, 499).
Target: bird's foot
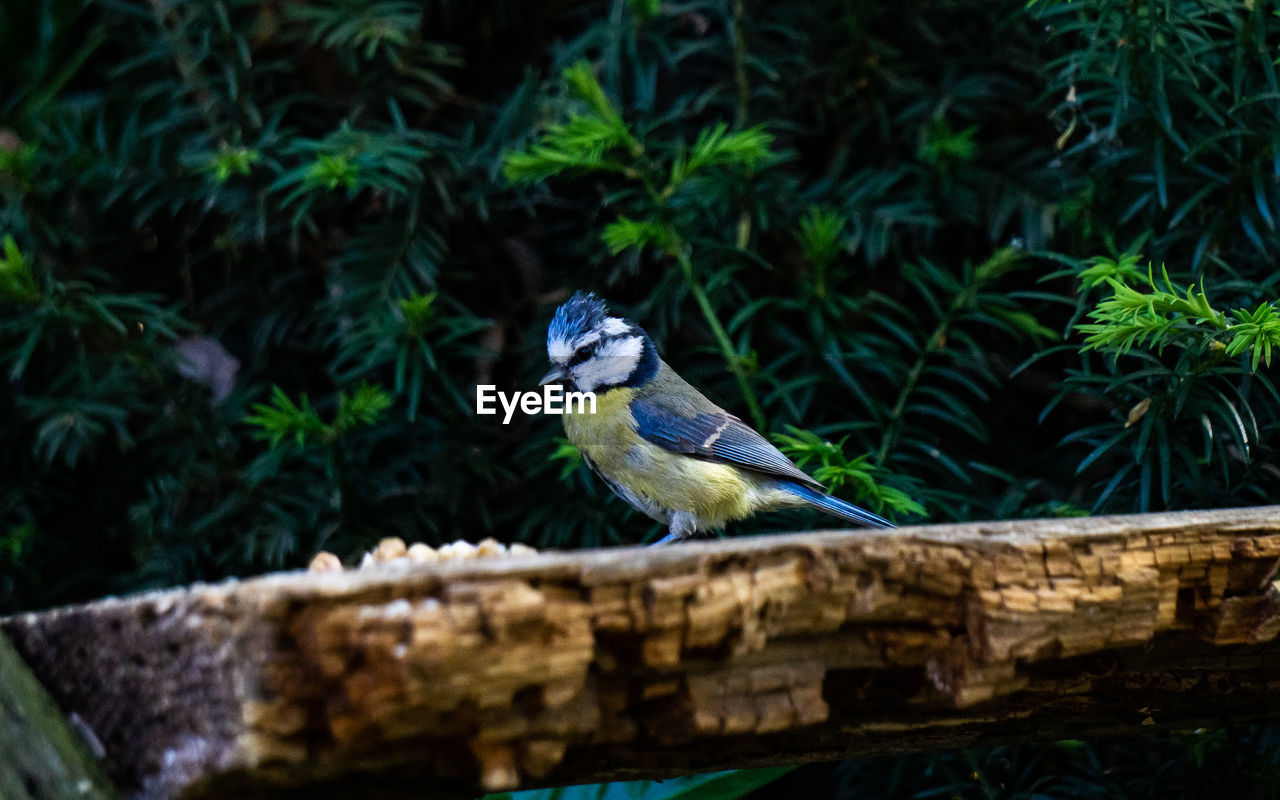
(672, 538)
(684, 525)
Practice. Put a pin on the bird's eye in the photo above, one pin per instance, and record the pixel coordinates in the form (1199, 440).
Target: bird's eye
(583, 353)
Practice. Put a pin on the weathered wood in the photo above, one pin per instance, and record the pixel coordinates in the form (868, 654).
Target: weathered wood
(41, 757)
(573, 667)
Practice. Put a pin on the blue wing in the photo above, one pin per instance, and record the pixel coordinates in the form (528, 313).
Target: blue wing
(716, 437)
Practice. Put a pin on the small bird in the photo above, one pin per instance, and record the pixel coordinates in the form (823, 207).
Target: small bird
(658, 442)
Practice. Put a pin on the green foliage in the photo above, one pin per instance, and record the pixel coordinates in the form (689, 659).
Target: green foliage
(716, 147)
(385, 162)
(1192, 425)
(571, 456)
(282, 418)
(582, 143)
(12, 542)
(16, 281)
(365, 28)
(1104, 270)
(939, 145)
(228, 161)
(821, 236)
(588, 141)
(837, 470)
(1178, 316)
(1178, 99)
(625, 233)
(1255, 332)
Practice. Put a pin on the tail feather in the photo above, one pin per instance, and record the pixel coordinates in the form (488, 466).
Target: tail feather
(837, 507)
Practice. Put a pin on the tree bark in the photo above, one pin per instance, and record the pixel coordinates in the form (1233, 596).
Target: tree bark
(508, 672)
(43, 758)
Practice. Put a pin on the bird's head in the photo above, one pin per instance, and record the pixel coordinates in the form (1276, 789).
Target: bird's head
(593, 351)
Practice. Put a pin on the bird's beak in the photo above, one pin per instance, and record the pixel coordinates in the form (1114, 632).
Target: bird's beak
(554, 376)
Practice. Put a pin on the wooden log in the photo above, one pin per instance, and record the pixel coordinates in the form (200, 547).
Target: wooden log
(41, 756)
(508, 672)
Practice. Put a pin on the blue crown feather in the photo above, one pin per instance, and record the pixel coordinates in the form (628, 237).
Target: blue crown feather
(581, 313)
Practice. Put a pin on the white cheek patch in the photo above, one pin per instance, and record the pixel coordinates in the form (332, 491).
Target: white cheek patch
(612, 364)
(627, 350)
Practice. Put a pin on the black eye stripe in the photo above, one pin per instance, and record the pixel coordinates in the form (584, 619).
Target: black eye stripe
(584, 352)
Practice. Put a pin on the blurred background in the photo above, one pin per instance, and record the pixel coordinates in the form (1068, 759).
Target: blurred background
(967, 260)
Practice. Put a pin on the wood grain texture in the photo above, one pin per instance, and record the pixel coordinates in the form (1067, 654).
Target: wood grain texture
(491, 674)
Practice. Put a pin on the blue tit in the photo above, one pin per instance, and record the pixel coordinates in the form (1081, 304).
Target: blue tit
(658, 442)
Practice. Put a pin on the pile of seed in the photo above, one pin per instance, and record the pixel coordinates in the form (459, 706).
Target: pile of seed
(393, 552)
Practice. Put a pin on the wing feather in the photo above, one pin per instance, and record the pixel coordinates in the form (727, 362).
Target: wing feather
(715, 436)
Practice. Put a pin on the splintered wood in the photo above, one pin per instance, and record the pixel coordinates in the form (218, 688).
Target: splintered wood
(555, 668)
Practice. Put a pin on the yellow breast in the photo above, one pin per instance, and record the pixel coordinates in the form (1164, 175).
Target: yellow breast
(716, 493)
